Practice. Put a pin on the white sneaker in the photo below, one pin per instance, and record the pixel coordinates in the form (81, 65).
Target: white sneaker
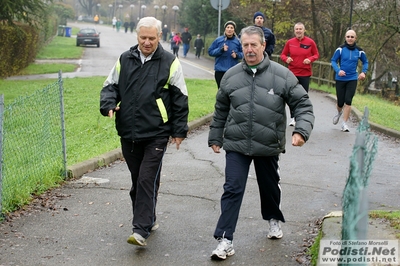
(335, 119)
(223, 250)
(136, 239)
(345, 128)
(292, 122)
(275, 231)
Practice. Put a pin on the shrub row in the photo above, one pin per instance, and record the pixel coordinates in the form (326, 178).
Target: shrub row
(20, 43)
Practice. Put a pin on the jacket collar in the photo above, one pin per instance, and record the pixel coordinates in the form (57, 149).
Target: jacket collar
(134, 52)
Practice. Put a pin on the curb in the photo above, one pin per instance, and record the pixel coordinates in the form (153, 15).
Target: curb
(79, 169)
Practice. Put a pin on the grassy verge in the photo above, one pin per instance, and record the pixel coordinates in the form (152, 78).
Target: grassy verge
(88, 133)
(314, 249)
(61, 48)
(58, 48)
(381, 111)
(46, 68)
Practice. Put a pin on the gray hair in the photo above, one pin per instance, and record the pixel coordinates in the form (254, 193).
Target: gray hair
(251, 30)
(149, 22)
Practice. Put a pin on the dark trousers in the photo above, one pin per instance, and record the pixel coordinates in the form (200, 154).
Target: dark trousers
(236, 173)
(144, 160)
(218, 76)
(198, 52)
(175, 51)
(305, 82)
(345, 91)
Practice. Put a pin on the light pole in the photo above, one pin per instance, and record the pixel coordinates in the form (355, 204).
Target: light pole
(120, 11)
(273, 13)
(351, 13)
(132, 6)
(143, 8)
(175, 8)
(205, 27)
(110, 6)
(164, 7)
(98, 7)
(156, 7)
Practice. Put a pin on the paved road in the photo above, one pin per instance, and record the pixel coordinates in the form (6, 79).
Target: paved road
(87, 223)
(99, 61)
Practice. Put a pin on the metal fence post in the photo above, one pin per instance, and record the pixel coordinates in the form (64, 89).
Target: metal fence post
(62, 116)
(1, 153)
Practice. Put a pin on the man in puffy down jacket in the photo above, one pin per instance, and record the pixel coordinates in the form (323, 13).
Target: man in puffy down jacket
(250, 123)
(147, 92)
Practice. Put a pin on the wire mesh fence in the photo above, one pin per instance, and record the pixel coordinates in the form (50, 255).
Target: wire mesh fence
(33, 146)
(355, 196)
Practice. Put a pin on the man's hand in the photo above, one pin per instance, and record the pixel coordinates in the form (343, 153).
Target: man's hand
(215, 148)
(177, 141)
(297, 140)
(361, 76)
(289, 60)
(111, 112)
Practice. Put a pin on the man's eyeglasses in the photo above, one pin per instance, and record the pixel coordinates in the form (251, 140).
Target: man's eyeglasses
(350, 37)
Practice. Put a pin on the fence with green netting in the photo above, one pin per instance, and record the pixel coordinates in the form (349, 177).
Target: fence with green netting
(32, 138)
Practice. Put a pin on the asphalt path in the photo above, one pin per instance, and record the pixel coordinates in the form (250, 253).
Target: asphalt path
(98, 61)
(88, 220)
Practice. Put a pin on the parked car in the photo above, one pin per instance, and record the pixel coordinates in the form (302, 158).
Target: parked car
(88, 36)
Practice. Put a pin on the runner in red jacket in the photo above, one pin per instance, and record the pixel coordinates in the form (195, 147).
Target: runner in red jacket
(299, 53)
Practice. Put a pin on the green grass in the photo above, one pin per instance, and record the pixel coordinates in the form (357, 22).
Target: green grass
(89, 134)
(61, 48)
(201, 97)
(314, 249)
(392, 216)
(36, 69)
(58, 48)
(381, 111)
(325, 88)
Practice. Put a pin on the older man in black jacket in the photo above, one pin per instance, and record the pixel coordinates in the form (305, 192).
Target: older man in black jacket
(147, 92)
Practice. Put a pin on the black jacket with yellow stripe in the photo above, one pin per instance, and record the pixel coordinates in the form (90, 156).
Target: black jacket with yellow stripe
(152, 96)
